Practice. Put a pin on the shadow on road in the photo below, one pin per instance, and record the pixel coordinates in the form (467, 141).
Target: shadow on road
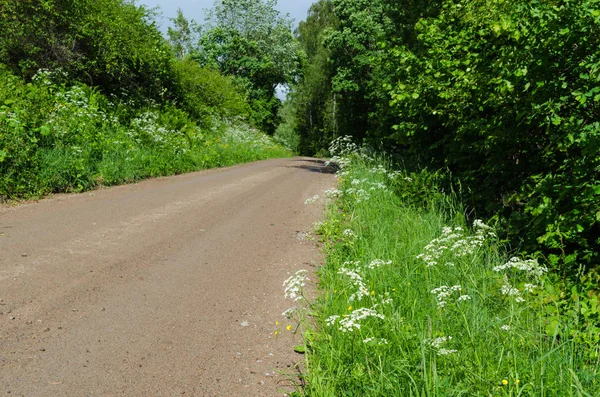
(314, 165)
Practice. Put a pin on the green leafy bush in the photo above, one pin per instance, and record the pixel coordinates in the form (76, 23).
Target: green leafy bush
(503, 95)
(58, 138)
(111, 44)
(205, 93)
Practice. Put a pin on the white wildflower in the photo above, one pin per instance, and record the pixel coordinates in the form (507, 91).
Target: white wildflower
(438, 343)
(375, 263)
(357, 281)
(509, 290)
(378, 186)
(289, 313)
(331, 320)
(349, 233)
(530, 266)
(311, 200)
(455, 242)
(352, 321)
(444, 293)
(295, 284)
(333, 193)
(505, 328)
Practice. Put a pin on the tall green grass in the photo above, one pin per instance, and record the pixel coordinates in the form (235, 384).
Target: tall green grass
(416, 302)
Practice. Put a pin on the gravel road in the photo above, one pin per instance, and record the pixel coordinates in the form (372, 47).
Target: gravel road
(168, 287)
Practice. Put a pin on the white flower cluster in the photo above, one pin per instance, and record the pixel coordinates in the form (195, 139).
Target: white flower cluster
(333, 193)
(360, 194)
(531, 269)
(318, 225)
(357, 281)
(379, 170)
(444, 294)
(375, 263)
(393, 175)
(73, 113)
(244, 135)
(456, 242)
(349, 233)
(312, 200)
(294, 285)
(361, 189)
(438, 345)
(380, 341)
(289, 313)
(147, 126)
(508, 290)
(343, 147)
(378, 186)
(530, 266)
(352, 321)
(48, 78)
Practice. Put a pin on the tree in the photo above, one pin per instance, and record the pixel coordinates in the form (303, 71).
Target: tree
(182, 35)
(251, 40)
(313, 97)
(111, 44)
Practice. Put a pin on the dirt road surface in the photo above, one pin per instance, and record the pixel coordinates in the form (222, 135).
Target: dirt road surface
(168, 287)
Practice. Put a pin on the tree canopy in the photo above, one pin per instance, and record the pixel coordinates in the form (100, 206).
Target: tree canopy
(252, 41)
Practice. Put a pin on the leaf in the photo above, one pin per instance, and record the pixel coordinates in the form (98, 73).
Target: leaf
(553, 326)
(301, 349)
(45, 130)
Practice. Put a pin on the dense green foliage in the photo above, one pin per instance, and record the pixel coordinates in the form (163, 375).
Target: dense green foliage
(312, 99)
(91, 94)
(414, 302)
(111, 44)
(504, 96)
(58, 138)
(249, 40)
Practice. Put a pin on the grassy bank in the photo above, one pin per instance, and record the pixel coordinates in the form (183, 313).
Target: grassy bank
(58, 138)
(414, 301)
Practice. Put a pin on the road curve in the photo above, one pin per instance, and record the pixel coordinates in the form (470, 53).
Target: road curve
(168, 287)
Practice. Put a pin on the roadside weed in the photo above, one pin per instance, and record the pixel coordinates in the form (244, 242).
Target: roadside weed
(416, 301)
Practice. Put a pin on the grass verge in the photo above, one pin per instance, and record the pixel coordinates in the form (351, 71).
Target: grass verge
(416, 302)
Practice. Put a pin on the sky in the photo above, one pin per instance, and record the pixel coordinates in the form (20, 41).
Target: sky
(194, 9)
